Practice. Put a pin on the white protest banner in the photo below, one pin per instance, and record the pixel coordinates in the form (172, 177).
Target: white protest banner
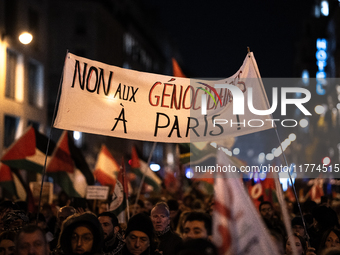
(112, 101)
(237, 226)
(97, 192)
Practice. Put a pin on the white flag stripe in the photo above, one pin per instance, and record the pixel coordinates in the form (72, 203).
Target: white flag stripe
(79, 181)
(237, 226)
(105, 164)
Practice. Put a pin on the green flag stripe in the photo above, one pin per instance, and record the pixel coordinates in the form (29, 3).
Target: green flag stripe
(62, 179)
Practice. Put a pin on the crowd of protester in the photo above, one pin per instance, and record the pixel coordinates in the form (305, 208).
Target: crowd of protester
(154, 226)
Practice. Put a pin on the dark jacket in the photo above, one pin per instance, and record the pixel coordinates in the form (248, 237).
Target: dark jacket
(85, 219)
(170, 243)
(114, 246)
(148, 251)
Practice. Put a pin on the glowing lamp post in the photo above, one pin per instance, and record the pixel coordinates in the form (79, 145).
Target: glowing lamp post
(25, 38)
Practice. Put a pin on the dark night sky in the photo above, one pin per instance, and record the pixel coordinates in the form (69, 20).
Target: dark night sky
(212, 36)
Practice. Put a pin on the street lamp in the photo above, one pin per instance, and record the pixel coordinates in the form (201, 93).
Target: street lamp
(25, 38)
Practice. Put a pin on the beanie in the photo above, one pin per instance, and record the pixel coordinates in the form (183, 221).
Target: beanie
(140, 222)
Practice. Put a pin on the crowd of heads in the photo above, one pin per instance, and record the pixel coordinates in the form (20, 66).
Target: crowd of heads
(155, 226)
(150, 226)
(315, 228)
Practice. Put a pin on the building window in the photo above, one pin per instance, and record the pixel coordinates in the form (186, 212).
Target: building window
(35, 84)
(11, 128)
(12, 60)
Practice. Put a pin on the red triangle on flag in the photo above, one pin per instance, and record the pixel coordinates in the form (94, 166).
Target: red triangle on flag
(5, 173)
(106, 168)
(134, 158)
(61, 160)
(23, 147)
(123, 178)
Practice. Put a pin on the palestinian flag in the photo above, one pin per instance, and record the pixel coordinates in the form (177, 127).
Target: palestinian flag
(28, 152)
(139, 167)
(106, 169)
(119, 196)
(68, 167)
(192, 154)
(7, 181)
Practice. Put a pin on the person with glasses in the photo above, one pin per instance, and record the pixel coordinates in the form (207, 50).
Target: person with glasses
(81, 234)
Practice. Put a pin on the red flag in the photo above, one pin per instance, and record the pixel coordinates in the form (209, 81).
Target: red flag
(68, 167)
(316, 191)
(177, 71)
(134, 158)
(6, 180)
(123, 178)
(106, 169)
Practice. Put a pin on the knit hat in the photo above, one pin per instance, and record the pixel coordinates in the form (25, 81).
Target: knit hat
(140, 222)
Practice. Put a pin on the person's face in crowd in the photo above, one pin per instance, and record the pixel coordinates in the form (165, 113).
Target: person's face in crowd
(194, 229)
(137, 242)
(299, 230)
(81, 240)
(148, 206)
(135, 209)
(32, 244)
(7, 247)
(107, 226)
(289, 246)
(173, 214)
(159, 220)
(332, 240)
(266, 211)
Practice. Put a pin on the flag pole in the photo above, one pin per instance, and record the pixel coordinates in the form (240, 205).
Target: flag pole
(125, 188)
(142, 181)
(284, 155)
(49, 140)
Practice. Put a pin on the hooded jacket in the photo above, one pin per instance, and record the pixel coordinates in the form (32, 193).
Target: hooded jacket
(85, 219)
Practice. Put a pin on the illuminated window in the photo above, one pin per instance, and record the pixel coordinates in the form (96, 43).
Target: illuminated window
(35, 84)
(324, 8)
(12, 61)
(11, 127)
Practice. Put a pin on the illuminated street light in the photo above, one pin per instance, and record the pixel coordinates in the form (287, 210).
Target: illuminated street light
(326, 161)
(236, 151)
(303, 123)
(25, 38)
(292, 137)
(155, 167)
(319, 109)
